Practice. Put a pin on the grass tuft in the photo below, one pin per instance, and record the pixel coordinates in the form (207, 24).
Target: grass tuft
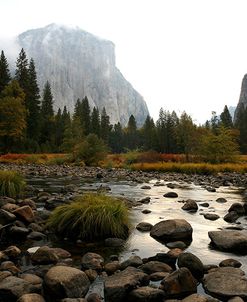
(12, 183)
(91, 217)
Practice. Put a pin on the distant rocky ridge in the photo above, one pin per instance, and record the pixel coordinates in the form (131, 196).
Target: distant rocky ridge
(78, 64)
(243, 96)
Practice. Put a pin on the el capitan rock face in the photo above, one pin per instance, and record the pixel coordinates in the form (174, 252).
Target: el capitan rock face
(78, 64)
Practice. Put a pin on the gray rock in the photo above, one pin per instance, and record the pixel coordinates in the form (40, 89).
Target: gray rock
(119, 285)
(190, 205)
(65, 282)
(211, 216)
(144, 226)
(221, 200)
(225, 283)
(12, 288)
(228, 240)
(176, 244)
(146, 294)
(171, 195)
(172, 230)
(18, 232)
(36, 236)
(155, 266)
(79, 64)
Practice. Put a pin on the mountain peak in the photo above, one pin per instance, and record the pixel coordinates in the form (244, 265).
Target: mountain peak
(78, 64)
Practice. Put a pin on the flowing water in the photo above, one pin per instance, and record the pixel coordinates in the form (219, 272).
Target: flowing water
(141, 243)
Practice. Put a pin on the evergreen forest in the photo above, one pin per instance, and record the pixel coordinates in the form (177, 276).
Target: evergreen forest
(29, 123)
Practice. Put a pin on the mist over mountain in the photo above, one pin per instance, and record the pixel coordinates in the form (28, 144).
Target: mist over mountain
(78, 64)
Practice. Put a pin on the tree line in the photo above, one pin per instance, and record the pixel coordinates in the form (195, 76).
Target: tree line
(28, 122)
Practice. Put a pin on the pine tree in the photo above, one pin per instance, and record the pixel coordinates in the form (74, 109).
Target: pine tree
(4, 72)
(95, 122)
(105, 126)
(22, 73)
(33, 104)
(85, 118)
(116, 139)
(226, 119)
(132, 139)
(47, 116)
(149, 134)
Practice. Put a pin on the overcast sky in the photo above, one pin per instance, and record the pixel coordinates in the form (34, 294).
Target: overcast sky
(179, 54)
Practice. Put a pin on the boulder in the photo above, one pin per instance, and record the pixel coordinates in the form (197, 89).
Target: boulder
(65, 282)
(155, 266)
(24, 213)
(119, 285)
(92, 261)
(238, 208)
(179, 284)
(229, 240)
(36, 236)
(172, 230)
(193, 263)
(12, 251)
(146, 294)
(6, 217)
(134, 261)
(18, 233)
(144, 226)
(111, 267)
(190, 205)
(231, 216)
(225, 283)
(12, 288)
(45, 255)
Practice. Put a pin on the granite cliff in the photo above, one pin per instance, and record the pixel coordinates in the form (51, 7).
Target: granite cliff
(78, 64)
(243, 96)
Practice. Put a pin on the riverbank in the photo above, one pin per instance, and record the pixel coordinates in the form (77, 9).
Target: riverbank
(35, 267)
(216, 180)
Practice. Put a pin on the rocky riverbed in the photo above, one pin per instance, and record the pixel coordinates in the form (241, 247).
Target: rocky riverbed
(188, 240)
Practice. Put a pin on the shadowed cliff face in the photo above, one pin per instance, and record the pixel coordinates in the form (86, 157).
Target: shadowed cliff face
(79, 64)
(243, 96)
